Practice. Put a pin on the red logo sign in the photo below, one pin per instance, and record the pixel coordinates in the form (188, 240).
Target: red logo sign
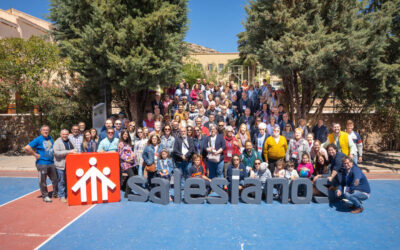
(93, 178)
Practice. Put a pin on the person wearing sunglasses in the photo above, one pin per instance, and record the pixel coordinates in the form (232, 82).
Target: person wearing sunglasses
(167, 140)
(260, 172)
(118, 128)
(236, 164)
(110, 143)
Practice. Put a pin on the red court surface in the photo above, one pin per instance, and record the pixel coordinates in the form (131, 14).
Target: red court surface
(6, 173)
(28, 222)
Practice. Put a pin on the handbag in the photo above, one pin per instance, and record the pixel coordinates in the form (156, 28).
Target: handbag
(213, 157)
(151, 168)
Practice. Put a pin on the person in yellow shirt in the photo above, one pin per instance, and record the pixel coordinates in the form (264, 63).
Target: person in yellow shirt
(342, 141)
(274, 148)
(180, 112)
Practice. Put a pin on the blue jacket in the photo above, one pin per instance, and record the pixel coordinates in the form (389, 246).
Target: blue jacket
(320, 133)
(199, 145)
(168, 143)
(219, 143)
(348, 179)
(242, 169)
(336, 163)
(165, 164)
(148, 154)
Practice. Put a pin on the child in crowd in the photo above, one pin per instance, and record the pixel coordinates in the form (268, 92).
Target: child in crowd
(197, 171)
(280, 169)
(165, 166)
(291, 173)
(279, 173)
(305, 168)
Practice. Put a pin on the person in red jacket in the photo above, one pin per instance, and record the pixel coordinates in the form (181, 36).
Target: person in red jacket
(232, 147)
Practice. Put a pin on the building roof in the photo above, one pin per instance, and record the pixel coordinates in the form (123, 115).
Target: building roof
(14, 23)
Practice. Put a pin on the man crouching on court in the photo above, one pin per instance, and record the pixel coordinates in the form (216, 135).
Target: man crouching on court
(353, 187)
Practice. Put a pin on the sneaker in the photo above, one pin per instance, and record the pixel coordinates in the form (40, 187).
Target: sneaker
(47, 199)
(357, 210)
(63, 200)
(55, 195)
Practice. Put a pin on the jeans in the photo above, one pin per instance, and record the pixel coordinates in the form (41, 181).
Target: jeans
(355, 198)
(355, 158)
(184, 167)
(43, 172)
(215, 169)
(61, 183)
(140, 170)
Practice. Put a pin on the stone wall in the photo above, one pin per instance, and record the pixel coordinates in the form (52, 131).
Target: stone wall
(373, 128)
(16, 131)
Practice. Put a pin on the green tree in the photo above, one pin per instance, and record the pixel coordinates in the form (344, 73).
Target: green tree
(191, 71)
(127, 47)
(35, 76)
(321, 47)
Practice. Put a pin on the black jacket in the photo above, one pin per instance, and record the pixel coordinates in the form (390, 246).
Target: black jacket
(177, 152)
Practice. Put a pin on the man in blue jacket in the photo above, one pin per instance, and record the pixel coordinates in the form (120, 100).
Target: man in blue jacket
(353, 186)
(335, 159)
(320, 131)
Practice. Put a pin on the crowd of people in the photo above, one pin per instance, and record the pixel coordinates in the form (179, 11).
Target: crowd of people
(209, 130)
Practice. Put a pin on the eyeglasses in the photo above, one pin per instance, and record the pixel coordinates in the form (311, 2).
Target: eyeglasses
(257, 163)
(118, 123)
(110, 133)
(167, 129)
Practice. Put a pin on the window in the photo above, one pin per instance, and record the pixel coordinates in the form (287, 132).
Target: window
(210, 67)
(220, 66)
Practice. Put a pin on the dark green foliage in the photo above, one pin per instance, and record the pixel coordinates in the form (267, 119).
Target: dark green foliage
(323, 47)
(129, 46)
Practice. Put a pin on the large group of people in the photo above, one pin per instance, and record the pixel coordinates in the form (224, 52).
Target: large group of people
(207, 131)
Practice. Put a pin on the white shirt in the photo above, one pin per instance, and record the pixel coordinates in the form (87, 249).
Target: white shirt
(185, 146)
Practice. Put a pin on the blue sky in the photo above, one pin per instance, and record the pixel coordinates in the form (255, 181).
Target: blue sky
(213, 23)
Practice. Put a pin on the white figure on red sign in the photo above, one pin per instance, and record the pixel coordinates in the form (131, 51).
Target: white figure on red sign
(93, 173)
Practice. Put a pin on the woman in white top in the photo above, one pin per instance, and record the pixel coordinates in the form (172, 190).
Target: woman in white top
(140, 144)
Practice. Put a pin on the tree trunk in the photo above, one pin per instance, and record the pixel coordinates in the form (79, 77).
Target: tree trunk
(137, 105)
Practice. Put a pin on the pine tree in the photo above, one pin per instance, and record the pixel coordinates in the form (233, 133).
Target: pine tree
(126, 47)
(319, 48)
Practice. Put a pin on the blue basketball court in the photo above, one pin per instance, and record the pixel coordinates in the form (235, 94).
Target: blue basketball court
(131, 225)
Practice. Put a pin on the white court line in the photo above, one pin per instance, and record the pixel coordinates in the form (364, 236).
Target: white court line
(383, 179)
(19, 197)
(59, 231)
(23, 196)
(19, 177)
